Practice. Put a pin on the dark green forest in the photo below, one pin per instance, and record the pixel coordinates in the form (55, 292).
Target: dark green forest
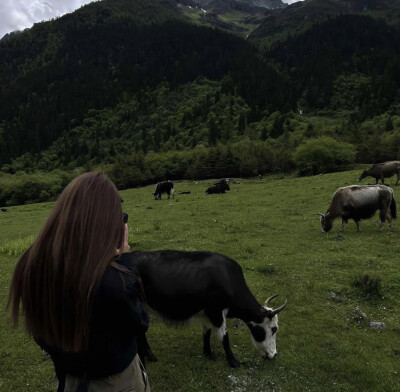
(134, 88)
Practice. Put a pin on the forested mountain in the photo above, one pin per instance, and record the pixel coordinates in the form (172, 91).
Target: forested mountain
(345, 62)
(53, 74)
(340, 54)
(299, 16)
(141, 90)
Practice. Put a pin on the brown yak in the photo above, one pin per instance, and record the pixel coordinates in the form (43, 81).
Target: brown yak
(359, 202)
(382, 170)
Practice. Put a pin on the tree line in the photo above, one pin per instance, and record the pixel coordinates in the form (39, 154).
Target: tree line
(161, 98)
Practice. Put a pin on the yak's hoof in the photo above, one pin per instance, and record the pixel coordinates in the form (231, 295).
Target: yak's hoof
(233, 363)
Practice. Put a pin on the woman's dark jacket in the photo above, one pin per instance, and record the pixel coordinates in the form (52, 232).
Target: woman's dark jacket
(118, 316)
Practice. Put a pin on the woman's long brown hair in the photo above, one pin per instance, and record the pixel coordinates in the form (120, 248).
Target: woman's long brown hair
(56, 277)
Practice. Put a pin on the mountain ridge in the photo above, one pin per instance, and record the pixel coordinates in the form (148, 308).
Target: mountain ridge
(300, 15)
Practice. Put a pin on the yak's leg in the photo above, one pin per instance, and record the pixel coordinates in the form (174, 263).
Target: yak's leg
(358, 225)
(382, 216)
(389, 218)
(383, 180)
(386, 213)
(218, 319)
(144, 349)
(142, 345)
(397, 182)
(233, 362)
(342, 227)
(206, 342)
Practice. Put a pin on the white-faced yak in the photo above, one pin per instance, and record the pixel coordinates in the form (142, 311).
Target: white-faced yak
(206, 287)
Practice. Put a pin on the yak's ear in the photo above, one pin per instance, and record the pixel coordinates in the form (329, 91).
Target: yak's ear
(327, 215)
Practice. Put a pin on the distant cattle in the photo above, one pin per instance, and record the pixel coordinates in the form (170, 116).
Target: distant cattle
(382, 170)
(3, 210)
(164, 187)
(219, 187)
(206, 287)
(360, 202)
(223, 181)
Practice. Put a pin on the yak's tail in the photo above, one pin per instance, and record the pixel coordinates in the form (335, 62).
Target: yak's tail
(393, 210)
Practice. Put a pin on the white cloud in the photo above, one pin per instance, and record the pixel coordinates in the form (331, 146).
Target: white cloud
(291, 1)
(20, 14)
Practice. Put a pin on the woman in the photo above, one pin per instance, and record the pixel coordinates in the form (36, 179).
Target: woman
(80, 303)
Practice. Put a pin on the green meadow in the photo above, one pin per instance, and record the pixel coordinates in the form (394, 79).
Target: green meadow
(271, 228)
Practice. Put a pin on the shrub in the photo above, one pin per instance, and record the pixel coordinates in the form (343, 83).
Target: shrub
(23, 187)
(44, 195)
(370, 286)
(322, 155)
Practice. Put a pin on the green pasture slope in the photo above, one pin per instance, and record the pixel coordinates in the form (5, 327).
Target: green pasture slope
(271, 228)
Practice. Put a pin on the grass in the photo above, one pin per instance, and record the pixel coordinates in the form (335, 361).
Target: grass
(272, 229)
(17, 247)
(245, 22)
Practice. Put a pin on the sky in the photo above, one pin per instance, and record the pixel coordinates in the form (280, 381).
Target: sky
(20, 14)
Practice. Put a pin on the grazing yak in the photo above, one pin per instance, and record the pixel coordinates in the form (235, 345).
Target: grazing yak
(208, 288)
(164, 187)
(360, 202)
(219, 187)
(382, 170)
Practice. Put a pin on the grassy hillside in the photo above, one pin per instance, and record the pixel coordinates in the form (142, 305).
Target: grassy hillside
(271, 228)
(240, 17)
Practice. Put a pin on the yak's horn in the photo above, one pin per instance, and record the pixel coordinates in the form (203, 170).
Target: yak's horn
(321, 214)
(269, 299)
(272, 313)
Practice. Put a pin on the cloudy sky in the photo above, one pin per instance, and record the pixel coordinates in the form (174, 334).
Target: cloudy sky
(20, 14)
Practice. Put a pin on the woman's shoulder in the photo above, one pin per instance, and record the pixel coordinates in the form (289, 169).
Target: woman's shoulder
(118, 280)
